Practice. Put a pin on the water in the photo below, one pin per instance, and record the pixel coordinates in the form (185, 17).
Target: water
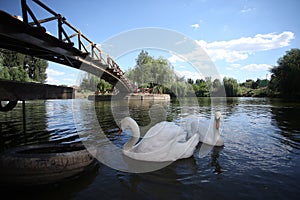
(260, 159)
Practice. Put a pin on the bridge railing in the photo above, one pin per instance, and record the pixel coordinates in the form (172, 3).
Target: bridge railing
(84, 44)
(67, 36)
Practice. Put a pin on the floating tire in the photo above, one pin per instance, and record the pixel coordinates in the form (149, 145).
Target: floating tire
(44, 164)
(9, 106)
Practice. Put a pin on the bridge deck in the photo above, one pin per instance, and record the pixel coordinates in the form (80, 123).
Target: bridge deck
(18, 36)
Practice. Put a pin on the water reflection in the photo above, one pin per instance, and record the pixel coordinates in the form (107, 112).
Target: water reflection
(46, 121)
(286, 118)
(13, 131)
(165, 183)
(260, 159)
(182, 178)
(214, 159)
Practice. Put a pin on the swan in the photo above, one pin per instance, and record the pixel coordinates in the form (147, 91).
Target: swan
(209, 133)
(165, 141)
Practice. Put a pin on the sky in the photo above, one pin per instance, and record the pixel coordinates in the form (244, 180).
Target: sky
(243, 38)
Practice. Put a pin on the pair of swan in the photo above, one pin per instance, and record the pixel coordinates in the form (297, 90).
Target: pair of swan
(167, 141)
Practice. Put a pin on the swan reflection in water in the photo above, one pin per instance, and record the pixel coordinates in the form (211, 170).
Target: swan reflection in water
(214, 159)
(175, 179)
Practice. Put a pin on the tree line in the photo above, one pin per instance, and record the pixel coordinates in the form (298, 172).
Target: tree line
(159, 76)
(20, 67)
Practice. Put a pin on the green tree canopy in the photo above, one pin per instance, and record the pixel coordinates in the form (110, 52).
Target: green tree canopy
(231, 87)
(285, 77)
(20, 67)
(103, 86)
(150, 70)
(89, 82)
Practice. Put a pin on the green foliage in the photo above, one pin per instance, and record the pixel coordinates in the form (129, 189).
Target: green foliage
(251, 88)
(150, 70)
(4, 73)
(18, 74)
(158, 74)
(231, 87)
(89, 82)
(285, 77)
(190, 81)
(93, 83)
(20, 67)
(104, 86)
(200, 88)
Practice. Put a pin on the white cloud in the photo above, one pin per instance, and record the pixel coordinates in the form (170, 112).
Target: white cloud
(52, 81)
(235, 65)
(174, 59)
(246, 10)
(189, 74)
(257, 67)
(240, 49)
(52, 72)
(195, 26)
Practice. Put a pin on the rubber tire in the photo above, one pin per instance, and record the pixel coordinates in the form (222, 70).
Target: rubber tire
(44, 163)
(8, 107)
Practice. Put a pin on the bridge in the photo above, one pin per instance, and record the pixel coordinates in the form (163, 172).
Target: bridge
(68, 47)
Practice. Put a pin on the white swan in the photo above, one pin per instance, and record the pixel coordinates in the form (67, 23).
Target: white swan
(163, 142)
(209, 133)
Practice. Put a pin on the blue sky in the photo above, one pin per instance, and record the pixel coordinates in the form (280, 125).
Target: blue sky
(244, 38)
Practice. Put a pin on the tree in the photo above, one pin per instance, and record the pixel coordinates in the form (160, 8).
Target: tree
(190, 81)
(285, 76)
(18, 64)
(217, 84)
(262, 83)
(149, 70)
(19, 74)
(209, 83)
(231, 87)
(4, 73)
(89, 82)
(200, 88)
(104, 86)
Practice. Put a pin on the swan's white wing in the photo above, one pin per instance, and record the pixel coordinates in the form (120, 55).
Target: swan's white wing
(165, 131)
(158, 136)
(170, 151)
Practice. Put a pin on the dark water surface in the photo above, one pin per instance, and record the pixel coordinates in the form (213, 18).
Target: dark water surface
(260, 159)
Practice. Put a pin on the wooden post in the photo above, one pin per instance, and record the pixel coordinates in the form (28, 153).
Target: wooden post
(59, 28)
(24, 116)
(24, 11)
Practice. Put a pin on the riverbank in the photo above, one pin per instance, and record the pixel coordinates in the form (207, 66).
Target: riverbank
(147, 97)
(133, 96)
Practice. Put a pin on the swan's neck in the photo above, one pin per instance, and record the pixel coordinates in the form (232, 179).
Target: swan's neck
(135, 134)
(216, 130)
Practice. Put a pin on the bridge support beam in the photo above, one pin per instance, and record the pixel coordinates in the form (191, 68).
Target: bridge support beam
(22, 91)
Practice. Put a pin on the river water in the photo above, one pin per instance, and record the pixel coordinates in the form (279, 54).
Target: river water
(260, 159)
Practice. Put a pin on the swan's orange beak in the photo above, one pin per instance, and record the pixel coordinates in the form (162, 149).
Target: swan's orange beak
(217, 123)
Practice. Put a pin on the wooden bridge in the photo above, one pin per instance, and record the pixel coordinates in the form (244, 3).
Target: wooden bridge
(69, 47)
